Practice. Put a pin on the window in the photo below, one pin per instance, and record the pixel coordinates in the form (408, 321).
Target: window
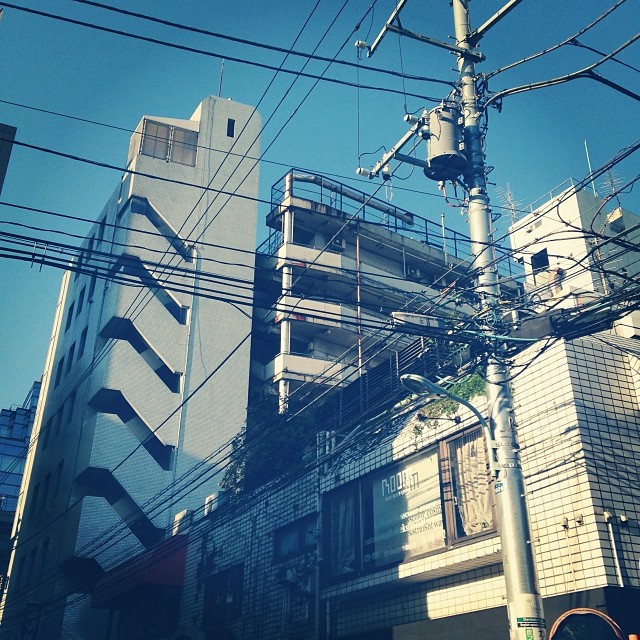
(69, 317)
(20, 572)
(425, 503)
(46, 431)
(45, 489)
(223, 596)
(81, 301)
(172, 144)
(69, 406)
(43, 560)
(83, 342)
(55, 422)
(296, 538)
(184, 146)
(540, 261)
(72, 352)
(92, 286)
(34, 499)
(344, 538)
(155, 140)
(231, 128)
(59, 372)
(30, 565)
(101, 229)
(472, 498)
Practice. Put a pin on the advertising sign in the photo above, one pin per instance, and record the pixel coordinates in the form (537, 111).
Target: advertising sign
(403, 512)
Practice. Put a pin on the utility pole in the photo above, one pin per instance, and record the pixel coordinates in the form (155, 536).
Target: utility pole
(524, 603)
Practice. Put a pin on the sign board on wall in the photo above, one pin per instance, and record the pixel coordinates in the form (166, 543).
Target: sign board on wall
(403, 512)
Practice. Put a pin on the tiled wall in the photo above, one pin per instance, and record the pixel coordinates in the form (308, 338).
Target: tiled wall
(576, 408)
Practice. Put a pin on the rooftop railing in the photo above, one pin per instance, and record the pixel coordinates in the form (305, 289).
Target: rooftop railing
(363, 207)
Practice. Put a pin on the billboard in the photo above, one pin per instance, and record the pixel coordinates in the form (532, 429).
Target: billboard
(403, 512)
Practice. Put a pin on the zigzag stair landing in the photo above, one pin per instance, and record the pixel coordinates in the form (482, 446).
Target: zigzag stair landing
(100, 482)
(124, 329)
(132, 265)
(113, 401)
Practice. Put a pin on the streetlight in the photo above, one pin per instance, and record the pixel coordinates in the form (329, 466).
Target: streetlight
(421, 385)
(515, 535)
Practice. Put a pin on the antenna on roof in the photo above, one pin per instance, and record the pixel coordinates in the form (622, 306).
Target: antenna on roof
(593, 186)
(220, 83)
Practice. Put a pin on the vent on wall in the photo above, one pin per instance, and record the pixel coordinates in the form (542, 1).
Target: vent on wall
(181, 522)
(413, 273)
(215, 500)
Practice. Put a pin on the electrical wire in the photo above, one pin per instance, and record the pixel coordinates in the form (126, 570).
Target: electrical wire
(95, 360)
(587, 72)
(251, 43)
(560, 44)
(356, 180)
(211, 54)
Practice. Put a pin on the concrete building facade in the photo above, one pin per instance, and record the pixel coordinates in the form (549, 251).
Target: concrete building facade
(142, 324)
(382, 528)
(392, 533)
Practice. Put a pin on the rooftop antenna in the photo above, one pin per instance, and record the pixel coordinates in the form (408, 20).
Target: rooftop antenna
(593, 186)
(221, 75)
(611, 185)
(507, 198)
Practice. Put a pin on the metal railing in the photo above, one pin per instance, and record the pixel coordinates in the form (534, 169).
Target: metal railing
(364, 208)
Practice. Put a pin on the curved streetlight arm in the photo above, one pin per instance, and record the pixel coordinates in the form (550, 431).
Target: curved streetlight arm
(419, 384)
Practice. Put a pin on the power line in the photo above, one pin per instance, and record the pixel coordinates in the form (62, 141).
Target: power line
(211, 54)
(286, 165)
(560, 44)
(96, 359)
(252, 43)
(587, 72)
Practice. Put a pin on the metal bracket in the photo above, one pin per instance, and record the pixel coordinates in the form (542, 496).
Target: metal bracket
(394, 153)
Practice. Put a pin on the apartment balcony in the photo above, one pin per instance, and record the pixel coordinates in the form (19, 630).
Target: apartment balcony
(300, 368)
(329, 315)
(302, 256)
(309, 263)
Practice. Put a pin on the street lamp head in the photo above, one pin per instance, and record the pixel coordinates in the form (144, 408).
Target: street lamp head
(421, 385)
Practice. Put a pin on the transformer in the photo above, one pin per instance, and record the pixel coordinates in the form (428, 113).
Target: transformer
(445, 157)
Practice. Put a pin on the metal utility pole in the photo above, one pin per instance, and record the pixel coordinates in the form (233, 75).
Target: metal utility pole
(526, 617)
(524, 603)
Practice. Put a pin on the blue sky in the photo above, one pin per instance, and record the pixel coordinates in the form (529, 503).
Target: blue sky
(535, 143)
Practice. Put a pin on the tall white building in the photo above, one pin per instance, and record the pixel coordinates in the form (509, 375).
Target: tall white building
(115, 440)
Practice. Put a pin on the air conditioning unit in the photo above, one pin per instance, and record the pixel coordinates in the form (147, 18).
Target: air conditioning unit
(215, 500)
(287, 575)
(338, 244)
(413, 273)
(181, 522)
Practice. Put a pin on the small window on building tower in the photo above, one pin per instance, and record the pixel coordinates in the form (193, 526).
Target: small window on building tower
(231, 128)
(155, 140)
(183, 146)
(540, 261)
(171, 144)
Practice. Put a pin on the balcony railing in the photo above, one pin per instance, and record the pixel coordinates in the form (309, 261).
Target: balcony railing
(363, 207)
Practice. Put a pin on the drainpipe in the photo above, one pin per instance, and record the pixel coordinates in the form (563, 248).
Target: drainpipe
(287, 281)
(608, 517)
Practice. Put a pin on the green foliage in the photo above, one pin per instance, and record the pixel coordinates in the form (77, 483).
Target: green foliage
(270, 445)
(466, 389)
